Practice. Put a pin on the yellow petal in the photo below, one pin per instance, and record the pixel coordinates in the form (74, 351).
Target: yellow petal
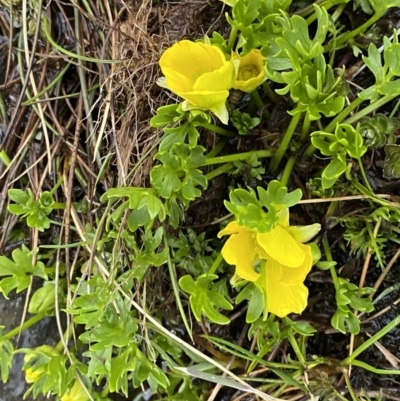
(290, 275)
(218, 80)
(205, 99)
(240, 250)
(282, 247)
(177, 82)
(282, 298)
(191, 59)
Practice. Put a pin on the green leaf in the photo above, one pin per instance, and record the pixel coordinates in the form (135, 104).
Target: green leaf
(179, 173)
(43, 299)
(355, 147)
(165, 115)
(35, 211)
(19, 271)
(380, 6)
(174, 135)
(6, 356)
(245, 12)
(277, 194)
(204, 300)
(18, 196)
(391, 166)
(254, 294)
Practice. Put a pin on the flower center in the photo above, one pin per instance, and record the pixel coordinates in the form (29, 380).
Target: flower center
(248, 72)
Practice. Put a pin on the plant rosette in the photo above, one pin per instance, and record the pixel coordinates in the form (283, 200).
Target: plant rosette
(281, 256)
(251, 73)
(200, 74)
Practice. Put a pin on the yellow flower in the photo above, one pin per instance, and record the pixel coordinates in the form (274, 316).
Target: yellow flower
(200, 74)
(77, 393)
(32, 376)
(251, 71)
(284, 258)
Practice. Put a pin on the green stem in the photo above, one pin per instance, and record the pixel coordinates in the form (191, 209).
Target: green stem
(67, 335)
(232, 38)
(58, 205)
(296, 348)
(369, 109)
(364, 175)
(306, 128)
(48, 87)
(58, 183)
(288, 170)
(366, 366)
(325, 4)
(350, 387)
(284, 144)
(259, 103)
(225, 168)
(238, 156)
(175, 287)
(215, 264)
(352, 34)
(328, 255)
(395, 108)
(270, 93)
(365, 191)
(368, 343)
(218, 130)
(30, 322)
(216, 149)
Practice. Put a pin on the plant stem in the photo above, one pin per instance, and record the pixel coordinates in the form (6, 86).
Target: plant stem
(58, 183)
(288, 170)
(328, 255)
(232, 38)
(284, 144)
(365, 191)
(270, 93)
(215, 264)
(30, 322)
(175, 287)
(352, 34)
(369, 109)
(349, 386)
(218, 130)
(376, 337)
(260, 104)
(366, 366)
(218, 171)
(238, 156)
(296, 348)
(216, 149)
(364, 175)
(306, 128)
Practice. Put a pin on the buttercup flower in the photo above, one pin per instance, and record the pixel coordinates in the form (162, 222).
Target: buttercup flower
(77, 393)
(32, 376)
(251, 71)
(200, 74)
(284, 257)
